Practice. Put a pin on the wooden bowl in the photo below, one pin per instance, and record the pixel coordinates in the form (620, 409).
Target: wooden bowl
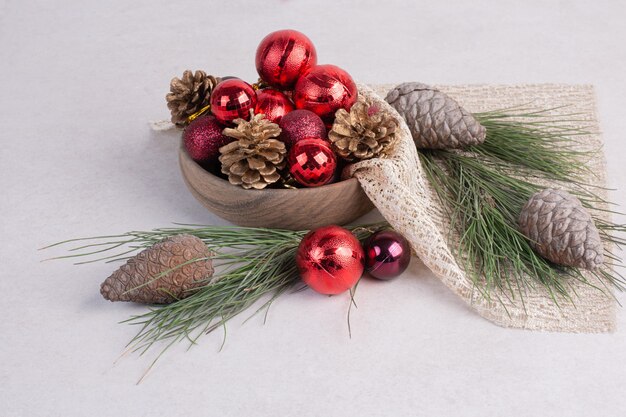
(294, 209)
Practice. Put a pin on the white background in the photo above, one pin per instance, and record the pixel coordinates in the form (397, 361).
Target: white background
(79, 80)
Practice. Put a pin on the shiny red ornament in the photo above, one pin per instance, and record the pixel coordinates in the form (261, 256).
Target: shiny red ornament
(203, 139)
(301, 124)
(387, 254)
(325, 89)
(232, 99)
(283, 56)
(312, 162)
(273, 104)
(330, 259)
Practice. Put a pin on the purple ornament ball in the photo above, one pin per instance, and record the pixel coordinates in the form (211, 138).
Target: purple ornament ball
(203, 139)
(301, 124)
(387, 254)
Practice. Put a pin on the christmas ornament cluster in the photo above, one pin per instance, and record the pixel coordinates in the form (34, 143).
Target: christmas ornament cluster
(331, 260)
(296, 127)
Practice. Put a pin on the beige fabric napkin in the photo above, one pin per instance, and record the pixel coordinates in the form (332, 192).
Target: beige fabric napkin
(399, 189)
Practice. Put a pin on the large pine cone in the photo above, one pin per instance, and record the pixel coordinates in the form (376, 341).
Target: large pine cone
(139, 279)
(256, 157)
(189, 94)
(561, 230)
(435, 120)
(364, 132)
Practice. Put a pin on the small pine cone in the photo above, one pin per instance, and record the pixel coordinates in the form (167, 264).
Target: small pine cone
(140, 279)
(561, 230)
(435, 120)
(364, 132)
(256, 157)
(189, 94)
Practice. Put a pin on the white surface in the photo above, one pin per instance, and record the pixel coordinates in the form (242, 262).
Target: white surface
(79, 81)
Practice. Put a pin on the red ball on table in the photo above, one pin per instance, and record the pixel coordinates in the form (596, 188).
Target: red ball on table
(330, 259)
(273, 104)
(301, 124)
(312, 162)
(203, 139)
(283, 56)
(232, 99)
(324, 89)
(387, 254)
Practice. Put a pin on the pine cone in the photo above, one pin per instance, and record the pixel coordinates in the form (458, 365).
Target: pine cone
(255, 158)
(363, 133)
(435, 120)
(139, 280)
(561, 230)
(189, 94)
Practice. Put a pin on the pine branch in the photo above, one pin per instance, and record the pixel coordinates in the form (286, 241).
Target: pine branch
(252, 263)
(485, 189)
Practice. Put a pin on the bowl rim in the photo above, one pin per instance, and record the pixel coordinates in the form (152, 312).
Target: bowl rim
(209, 176)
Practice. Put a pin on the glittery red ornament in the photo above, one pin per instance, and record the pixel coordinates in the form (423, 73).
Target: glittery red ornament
(232, 99)
(330, 259)
(301, 124)
(387, 254)
(273, 104)
(283, 56)
(324, 89)
(203, 139)
(312, 162)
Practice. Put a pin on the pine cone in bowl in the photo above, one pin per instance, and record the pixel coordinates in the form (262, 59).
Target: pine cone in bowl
(364, 132)
(255, 158)
(189, 94)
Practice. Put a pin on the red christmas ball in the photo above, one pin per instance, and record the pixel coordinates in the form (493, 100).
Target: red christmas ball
(232, 99)
(301, 124)
(283, 56)
(325, 89)
(312, 162)
(387, 254)
(273, 104)
(330, 259)
(203, 139)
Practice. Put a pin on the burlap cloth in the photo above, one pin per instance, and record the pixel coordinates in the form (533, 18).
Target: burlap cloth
(400, 190)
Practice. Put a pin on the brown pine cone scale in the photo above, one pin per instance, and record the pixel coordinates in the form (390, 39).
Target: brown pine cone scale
(140, 279)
